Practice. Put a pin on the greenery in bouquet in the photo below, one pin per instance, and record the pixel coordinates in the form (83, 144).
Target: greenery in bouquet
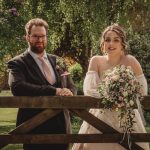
(119, 91)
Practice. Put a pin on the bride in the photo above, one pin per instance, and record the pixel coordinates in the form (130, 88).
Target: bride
(113, 45)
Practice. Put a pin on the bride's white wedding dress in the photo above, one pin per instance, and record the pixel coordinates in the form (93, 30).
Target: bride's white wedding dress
(91, 82)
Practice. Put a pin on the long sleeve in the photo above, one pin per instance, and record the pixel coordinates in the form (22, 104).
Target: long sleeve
(90, 85)
(142, 80)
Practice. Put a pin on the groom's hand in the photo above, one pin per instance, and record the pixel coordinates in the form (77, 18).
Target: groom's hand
(63, 92)
(66, 92)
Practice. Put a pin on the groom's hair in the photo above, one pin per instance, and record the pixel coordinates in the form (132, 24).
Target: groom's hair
(35, 22)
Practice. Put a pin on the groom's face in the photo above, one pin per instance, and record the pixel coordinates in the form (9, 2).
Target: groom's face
(37, 39)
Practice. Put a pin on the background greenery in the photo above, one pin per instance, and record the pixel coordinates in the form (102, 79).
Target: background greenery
(75, 27)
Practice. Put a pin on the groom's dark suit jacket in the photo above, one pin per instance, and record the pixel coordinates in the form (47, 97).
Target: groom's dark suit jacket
(26, 79)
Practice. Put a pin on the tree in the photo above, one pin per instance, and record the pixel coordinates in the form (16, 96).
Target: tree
(74, 25)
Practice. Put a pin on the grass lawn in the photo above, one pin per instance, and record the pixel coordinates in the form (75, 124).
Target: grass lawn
(7, 122)
(8, 119)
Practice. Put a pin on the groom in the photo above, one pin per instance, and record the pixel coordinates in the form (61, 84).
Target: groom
(34, 73)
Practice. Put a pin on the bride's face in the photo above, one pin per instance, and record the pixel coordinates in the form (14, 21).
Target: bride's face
(112, 43)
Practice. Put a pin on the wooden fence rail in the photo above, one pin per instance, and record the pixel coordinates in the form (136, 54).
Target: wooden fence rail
(53, 105)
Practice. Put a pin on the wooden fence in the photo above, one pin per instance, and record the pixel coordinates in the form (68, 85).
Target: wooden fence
(76, 104)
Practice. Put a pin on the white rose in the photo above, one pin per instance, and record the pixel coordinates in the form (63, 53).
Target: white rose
(121, 80)
(125, 93)
(131, 102)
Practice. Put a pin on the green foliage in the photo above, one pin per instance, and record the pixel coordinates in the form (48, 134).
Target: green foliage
(76, 72)
(139, 43)
(76, 123)
(77, 76)
(74, 25)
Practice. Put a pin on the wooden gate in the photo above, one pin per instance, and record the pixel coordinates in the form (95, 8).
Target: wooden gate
(55, 104)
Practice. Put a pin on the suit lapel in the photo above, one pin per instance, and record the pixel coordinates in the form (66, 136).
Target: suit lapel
(34, 67)
(36, 70)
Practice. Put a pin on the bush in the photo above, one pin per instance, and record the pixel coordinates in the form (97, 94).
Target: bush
(76, 74)
(140, 47)
(76, 123)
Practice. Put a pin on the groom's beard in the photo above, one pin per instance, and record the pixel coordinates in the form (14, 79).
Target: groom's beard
(37, 47)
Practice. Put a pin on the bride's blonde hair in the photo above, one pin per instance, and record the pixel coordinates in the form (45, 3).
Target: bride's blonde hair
(120, 32)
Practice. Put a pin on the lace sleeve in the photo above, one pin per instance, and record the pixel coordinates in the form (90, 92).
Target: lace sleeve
(142, 80)
(90, 85)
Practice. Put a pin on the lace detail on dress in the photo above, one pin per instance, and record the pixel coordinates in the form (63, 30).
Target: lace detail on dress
(142, 80)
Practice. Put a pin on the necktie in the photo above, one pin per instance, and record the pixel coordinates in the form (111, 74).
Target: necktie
(46, 71)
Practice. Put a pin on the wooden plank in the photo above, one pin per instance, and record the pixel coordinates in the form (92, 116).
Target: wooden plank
(103, 127)
(71, 138)
(60, 102)
(75, 102)
(33, 122)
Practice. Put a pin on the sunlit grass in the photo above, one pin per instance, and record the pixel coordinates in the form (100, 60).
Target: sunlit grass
(8, 121)
(8, 114)
(5, 93)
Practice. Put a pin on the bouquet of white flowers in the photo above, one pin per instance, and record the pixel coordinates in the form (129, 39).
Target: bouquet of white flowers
(118, 91)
